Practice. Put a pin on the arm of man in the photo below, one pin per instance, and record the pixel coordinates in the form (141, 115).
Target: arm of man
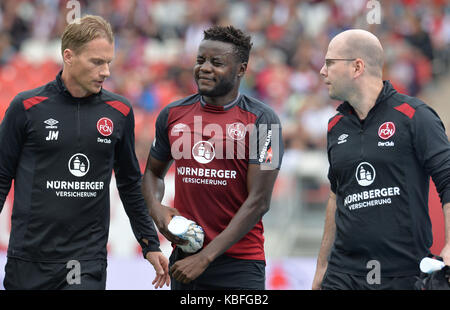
(129, 178)
(327, 242)
(260, 184)
(433, 150)
(158, 162)
(153, 191)
(12, 138)
(445, 253)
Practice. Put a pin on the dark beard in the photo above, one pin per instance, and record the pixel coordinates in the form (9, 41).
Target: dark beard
(221, 89)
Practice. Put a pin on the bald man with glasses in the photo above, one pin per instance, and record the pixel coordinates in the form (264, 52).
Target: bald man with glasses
(383, 147)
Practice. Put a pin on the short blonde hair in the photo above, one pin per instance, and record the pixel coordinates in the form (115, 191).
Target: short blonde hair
(88, 28)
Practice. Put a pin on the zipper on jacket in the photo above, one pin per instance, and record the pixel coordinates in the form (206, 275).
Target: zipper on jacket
(361, 134)
(360, 128)
(78, 125)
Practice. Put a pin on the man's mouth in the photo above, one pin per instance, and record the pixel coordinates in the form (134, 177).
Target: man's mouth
(205, 81)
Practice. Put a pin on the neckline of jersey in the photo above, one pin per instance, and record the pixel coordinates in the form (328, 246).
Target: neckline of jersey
(219, 108)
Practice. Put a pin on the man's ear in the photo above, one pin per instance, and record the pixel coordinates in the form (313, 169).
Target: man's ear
(242, 69)
(359, 67)
(68, 56)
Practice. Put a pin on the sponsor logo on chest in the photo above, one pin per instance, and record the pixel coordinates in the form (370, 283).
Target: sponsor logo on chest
(81, 187)
(369, 194)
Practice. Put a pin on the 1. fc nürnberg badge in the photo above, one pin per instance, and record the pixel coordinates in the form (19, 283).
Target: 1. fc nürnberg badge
(236, 131)
(386, 130)
(105, 126)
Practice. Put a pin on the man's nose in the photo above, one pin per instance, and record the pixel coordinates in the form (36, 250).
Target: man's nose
(323, 71)
(206, 66)
(105, 71)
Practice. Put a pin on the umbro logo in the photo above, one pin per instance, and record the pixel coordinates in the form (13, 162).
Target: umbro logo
(51, 123)
(179, 128)
(342, 138)
(52, 134)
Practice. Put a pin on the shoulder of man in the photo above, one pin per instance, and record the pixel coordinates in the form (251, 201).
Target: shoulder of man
(407, 105)
(183, 101)
(118, 102)
(28, 99)
(258, 108)
(333, 121)
(164, 113)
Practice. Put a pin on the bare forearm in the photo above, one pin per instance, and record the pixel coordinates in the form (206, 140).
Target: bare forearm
(244, 220)
(329, 232)
(445, 252)
(153, 189)
(446, 209)
(153, 183)
(260, 185)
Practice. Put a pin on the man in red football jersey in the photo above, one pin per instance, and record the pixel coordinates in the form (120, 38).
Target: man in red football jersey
(227, 150)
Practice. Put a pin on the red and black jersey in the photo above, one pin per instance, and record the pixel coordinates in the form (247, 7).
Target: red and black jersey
(212, 148)
(61, 152)
(380, 171)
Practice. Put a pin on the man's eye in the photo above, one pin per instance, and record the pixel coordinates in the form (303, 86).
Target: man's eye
(200, 61)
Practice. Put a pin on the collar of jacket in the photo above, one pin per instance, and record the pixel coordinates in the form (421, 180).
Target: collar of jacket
(63, 89)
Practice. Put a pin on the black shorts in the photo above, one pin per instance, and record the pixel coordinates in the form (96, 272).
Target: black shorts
(224, 272)
(334, 280)
(82, 275)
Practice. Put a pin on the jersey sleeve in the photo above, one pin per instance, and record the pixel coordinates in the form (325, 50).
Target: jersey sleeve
(128, 179)
(432, 148)
(160, 148)
(331, 176)
(266, 143)
(12, 138)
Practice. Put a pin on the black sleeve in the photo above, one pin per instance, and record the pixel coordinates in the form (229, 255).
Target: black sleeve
(129, 178)
(12, 138)
(266, 142)
(160, 148)
(433, 148)
(331, 176)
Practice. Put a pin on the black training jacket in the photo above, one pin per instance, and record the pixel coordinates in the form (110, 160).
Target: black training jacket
(380, 172)
(61, 152)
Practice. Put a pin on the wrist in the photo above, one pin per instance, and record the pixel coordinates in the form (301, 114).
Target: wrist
(209, 254)
(154, 206)
(150, 249)
(155, 211)
(322, 261)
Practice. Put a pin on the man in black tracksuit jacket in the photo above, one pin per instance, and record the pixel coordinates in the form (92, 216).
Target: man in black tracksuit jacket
(381, 158)
(61, 149)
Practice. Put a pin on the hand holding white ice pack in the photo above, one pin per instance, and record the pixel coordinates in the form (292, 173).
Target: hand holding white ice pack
(188, 230)
(429, 265)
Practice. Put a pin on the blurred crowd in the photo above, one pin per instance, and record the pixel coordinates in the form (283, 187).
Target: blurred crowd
(156, 44)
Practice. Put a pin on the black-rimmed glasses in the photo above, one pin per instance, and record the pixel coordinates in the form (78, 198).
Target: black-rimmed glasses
(329, 61)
